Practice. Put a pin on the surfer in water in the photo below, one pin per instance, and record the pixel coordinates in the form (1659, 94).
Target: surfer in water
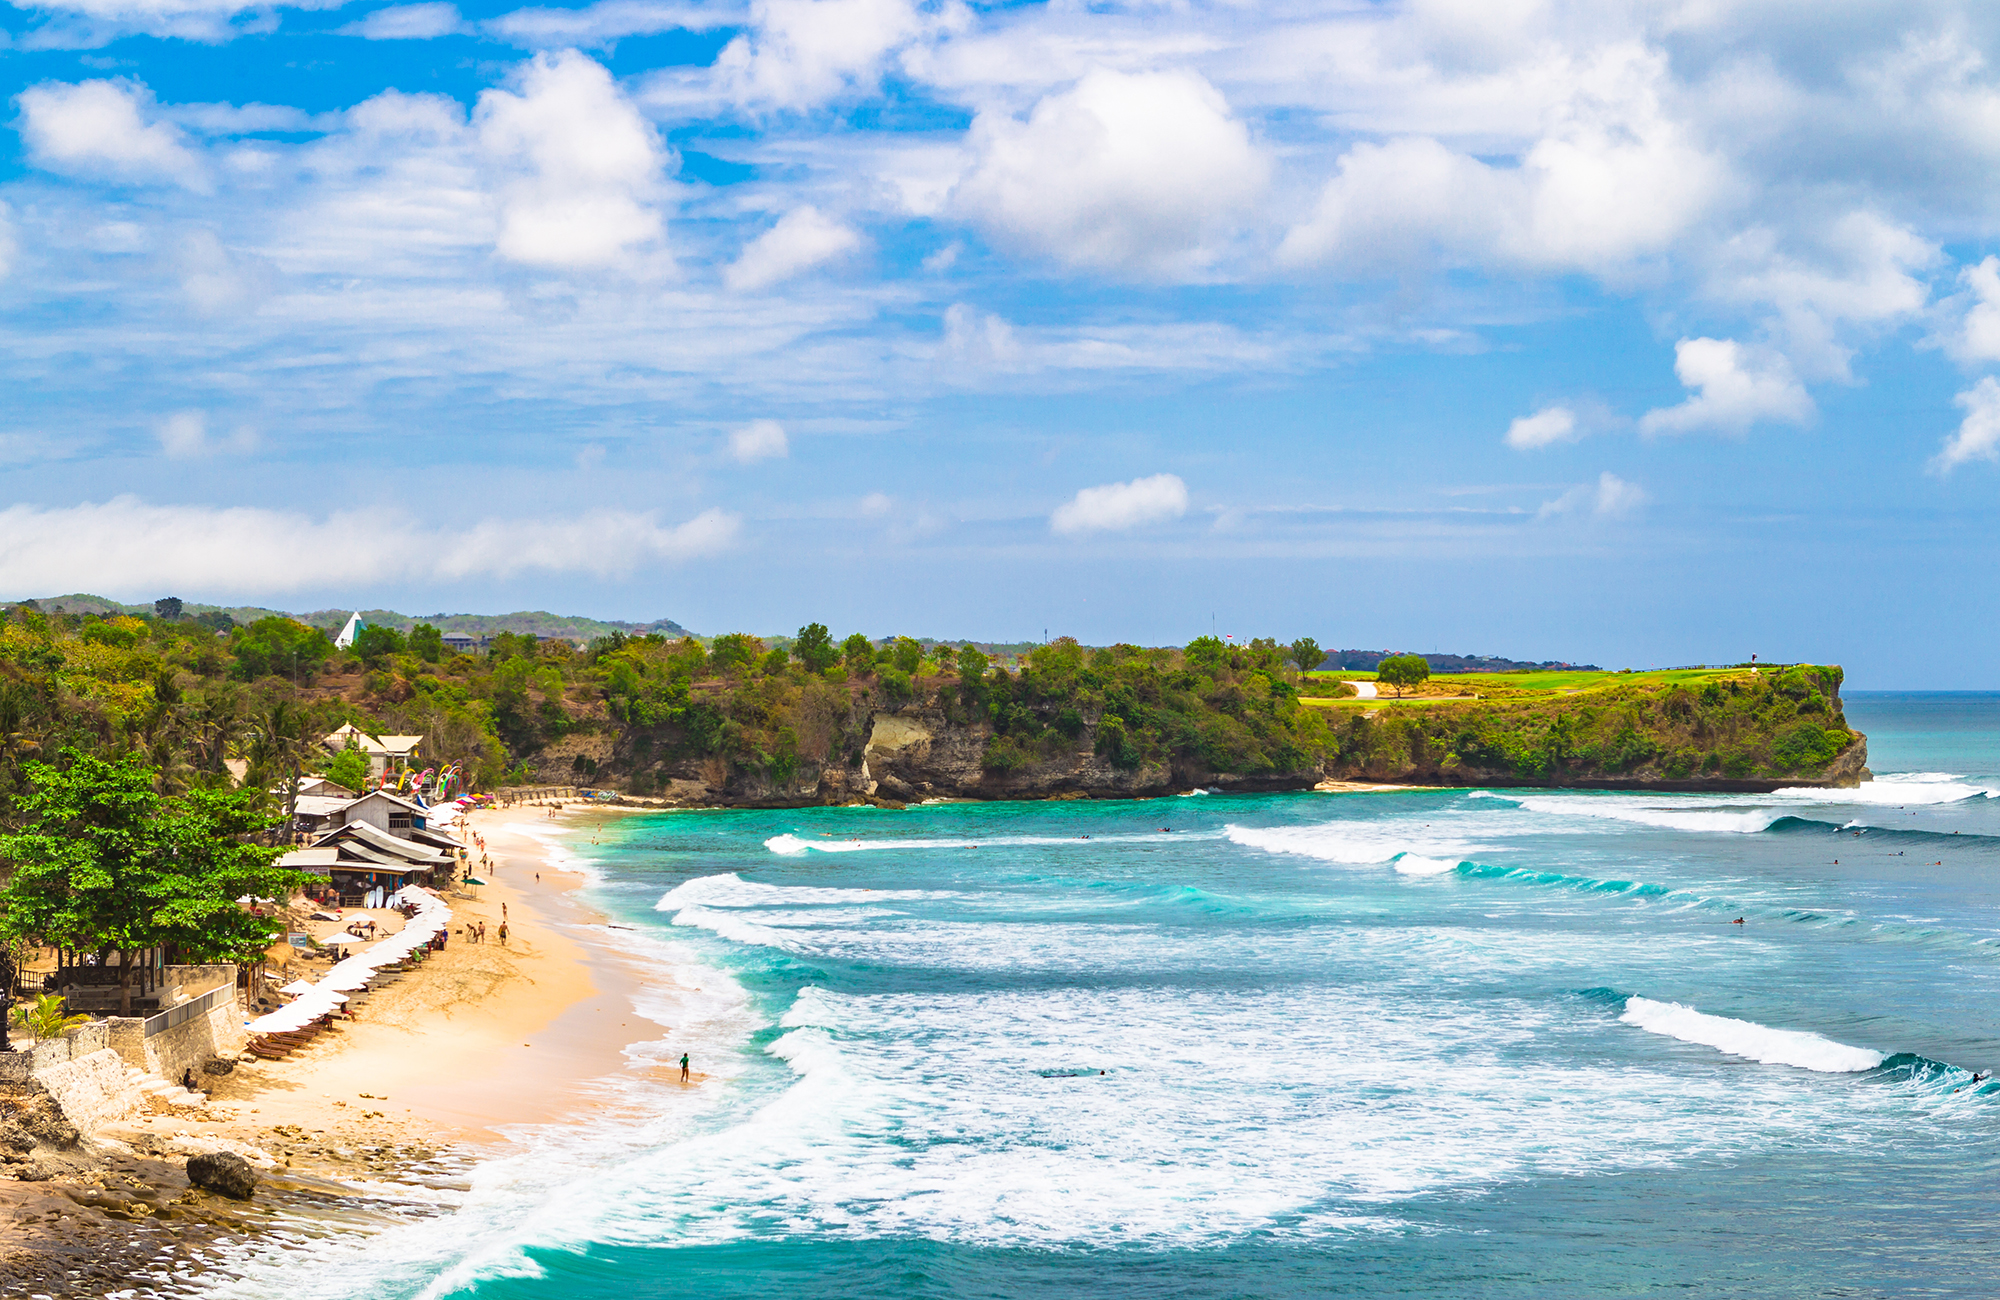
(1737, 921)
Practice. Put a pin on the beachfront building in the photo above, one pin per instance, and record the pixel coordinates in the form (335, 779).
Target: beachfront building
(461, 643)
(385, 753)
(380, 844)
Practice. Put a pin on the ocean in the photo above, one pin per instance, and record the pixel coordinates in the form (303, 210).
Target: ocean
(1418, 1043)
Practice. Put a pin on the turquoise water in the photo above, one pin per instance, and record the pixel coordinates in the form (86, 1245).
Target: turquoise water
(1428, 1043)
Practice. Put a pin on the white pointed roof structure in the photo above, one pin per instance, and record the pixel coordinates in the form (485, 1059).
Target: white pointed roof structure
(346, 637)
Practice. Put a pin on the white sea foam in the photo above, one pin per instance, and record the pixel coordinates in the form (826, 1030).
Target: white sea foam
(1410, 864)
(1677, 815)
(1746, 1038)
(792, 845)
(1353, 843)
(1901, 789)
(730, 890)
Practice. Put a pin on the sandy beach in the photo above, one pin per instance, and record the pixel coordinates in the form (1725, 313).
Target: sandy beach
(431, 1075)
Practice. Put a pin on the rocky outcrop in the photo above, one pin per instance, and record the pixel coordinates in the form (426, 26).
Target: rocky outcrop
(223, 1172)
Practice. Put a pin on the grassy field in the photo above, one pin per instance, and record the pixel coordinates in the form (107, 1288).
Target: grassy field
(1517, 686)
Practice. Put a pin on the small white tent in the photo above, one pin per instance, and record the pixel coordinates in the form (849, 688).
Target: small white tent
(346, 637)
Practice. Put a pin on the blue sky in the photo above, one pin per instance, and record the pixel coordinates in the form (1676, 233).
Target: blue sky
(1631, 332)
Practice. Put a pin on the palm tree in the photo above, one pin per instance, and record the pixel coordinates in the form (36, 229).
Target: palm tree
(280, 740)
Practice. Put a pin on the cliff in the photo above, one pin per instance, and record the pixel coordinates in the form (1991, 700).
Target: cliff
(1088, 734)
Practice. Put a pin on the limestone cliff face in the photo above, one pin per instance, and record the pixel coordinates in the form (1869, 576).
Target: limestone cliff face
(861, 749)
(918, 752)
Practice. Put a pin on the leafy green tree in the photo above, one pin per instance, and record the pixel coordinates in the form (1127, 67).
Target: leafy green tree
(1307, 654)
(972, 664)
(168, 609)
(279, 646)
(947, 658)
(1403, 671)
(776, 661)
(907, 655)
(859, 652)
(1207, 652)
(348, 768)
(733, 652)
(103, 863)
(427, 643)
(815, 648)
(375, 642)
(215, 621)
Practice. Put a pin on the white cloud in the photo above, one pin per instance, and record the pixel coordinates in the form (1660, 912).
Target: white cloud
(804, 238)
(1609, 498)
(605, 22)
(581, 170)
(1738, 387)
(759, 440)
(979, 339)
(1614, 177)
(99, 128)
(1977, 337)
(417, 22)
(1546, 427)
(1115, 507)
(803, 52)
(877, 504)
(1978, 436)
(1856, 271)
(184, 436)
(1123, 171)
(218, 281)
(128, 545)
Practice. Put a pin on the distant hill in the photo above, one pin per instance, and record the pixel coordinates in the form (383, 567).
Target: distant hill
(1365, 661)
(540, 623)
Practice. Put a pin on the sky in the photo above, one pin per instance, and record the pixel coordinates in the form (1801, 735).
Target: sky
(1620, 332)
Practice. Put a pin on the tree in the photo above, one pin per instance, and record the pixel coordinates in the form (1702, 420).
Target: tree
(776, 661)
(349, 768)
(427, 643)
(859, 652)
(1307, 654)
(907, 655)
(278, 645)
(733, 651)
(167, 609)
(972, 664)
(815, 648)
(281, 743)
(1206, 652)
(104, 864)
(1403, 671)
(375, 642)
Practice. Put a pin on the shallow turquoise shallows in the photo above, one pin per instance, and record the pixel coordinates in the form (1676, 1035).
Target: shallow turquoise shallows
(1491, 1043)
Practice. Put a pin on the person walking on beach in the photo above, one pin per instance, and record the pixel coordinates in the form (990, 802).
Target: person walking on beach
(684, 1067)
(503, 934)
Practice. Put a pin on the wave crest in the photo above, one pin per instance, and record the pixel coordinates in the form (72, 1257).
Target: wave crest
(1748, 1039)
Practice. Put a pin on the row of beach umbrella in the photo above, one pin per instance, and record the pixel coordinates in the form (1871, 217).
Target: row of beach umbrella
(310, 1001)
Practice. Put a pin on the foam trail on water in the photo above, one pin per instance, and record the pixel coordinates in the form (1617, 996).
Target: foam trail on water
(1354, 843)
(731, 890)
(1902, 789)
(1733, 821)
(1411, 864)
(791, 845)
(1748, 1039)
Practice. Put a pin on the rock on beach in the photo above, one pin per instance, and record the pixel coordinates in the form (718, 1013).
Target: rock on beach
(223, 1172)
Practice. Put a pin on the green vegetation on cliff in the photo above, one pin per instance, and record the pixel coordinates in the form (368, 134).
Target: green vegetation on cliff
(1729, 725)
(742, 720)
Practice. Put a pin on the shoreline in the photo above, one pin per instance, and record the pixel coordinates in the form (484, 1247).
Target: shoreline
(434, 1077)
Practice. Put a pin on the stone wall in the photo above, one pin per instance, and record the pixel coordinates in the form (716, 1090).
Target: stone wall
(185, 982)
(92, 1090)
(188, 1044)
(81, 1071)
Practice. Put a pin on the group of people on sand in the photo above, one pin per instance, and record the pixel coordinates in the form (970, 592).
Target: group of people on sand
(475, 932)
